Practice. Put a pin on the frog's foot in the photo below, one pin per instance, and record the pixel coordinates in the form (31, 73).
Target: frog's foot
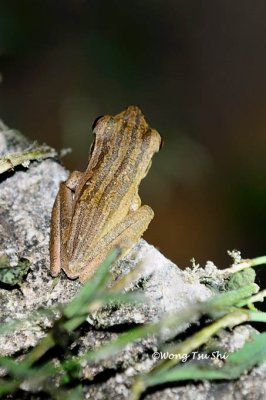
(124, 236)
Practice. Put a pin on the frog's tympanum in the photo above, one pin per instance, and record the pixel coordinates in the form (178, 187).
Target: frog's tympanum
(100, 208)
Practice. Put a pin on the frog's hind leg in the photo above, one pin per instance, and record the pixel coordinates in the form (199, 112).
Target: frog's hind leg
(60, 224)
(124, 235)
(55, 238)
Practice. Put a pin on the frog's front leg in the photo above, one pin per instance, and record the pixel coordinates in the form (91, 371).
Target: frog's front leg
(124, 235)
(60, 223)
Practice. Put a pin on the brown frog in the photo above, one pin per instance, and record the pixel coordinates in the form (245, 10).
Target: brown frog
(100, 208)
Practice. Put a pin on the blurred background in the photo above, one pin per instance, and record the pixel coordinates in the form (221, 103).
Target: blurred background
(197, 71)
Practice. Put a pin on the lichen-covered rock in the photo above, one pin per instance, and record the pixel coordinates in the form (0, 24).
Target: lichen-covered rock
(26, 199)
(166, 288)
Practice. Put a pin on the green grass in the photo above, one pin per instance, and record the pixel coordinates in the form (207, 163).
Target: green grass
(224, 310)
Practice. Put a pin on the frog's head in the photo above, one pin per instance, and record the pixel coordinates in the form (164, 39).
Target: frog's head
(131, 121)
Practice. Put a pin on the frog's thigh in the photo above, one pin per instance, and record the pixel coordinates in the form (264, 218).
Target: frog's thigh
(55, 239)
(60, 222)
(124, 235)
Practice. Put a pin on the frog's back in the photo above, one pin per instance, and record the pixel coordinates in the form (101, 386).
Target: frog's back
(119, 160)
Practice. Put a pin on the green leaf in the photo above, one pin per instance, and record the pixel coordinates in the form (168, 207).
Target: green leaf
(230, 298)
(251, 354)
(240, 279)
(12, 160)
(13, 275)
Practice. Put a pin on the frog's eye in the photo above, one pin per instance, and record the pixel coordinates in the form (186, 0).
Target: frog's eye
(96, 122)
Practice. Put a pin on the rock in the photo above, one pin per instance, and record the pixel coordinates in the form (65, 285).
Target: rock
(166, 288)
(248, 386)
(26, 199)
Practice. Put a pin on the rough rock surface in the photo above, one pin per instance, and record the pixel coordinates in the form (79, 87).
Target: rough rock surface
(166, 288)
(26, 198)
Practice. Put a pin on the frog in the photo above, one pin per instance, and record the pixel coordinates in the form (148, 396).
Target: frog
(100, 208)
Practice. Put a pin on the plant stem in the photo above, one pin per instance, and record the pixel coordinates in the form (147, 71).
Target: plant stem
(243, 265)
(14, 159)
(186, 347)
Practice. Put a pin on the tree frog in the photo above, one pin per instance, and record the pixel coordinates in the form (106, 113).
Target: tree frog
(100, 208)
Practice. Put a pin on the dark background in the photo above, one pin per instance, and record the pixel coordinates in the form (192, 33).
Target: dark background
(196, 69)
